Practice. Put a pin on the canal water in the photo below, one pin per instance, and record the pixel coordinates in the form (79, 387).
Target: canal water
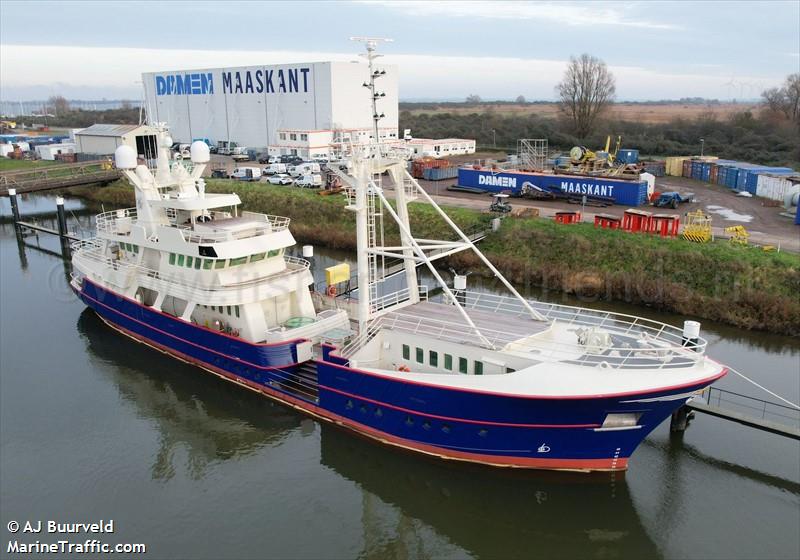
(95, 426)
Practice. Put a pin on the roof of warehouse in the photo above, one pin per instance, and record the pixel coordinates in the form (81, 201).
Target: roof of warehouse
(108, 129)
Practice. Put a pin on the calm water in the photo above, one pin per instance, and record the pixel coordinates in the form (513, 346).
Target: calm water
(93, 425)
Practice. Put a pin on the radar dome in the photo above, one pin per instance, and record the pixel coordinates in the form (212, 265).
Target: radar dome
(166, 141)
(200, 152)
(125, 157)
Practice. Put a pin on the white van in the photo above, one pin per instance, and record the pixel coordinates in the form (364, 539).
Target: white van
(309, 181)
(304, 168)
(274, 168)
(246, 173)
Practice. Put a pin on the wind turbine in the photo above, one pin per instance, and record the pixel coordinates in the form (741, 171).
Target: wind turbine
(730, 84)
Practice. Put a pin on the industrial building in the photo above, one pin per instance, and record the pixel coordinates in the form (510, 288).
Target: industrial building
(262, 106)
(103, 139)
(427, 147)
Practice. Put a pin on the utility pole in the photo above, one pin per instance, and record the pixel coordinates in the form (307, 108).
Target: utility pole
(702, 143)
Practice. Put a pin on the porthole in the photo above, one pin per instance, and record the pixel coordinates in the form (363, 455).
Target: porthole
(349, 405)
(409, 421)
(378, 412)
(363, 409)
(446, 428)
(483, 433)
(426, 425)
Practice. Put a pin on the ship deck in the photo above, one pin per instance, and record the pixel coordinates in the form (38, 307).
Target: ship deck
(443, 321)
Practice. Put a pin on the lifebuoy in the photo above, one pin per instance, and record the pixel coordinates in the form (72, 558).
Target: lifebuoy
(404, 368)
(331, 291)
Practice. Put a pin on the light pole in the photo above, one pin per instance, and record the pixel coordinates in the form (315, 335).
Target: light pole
(702, 143)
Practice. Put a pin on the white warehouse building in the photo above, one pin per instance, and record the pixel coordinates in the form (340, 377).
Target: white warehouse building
(290, 108)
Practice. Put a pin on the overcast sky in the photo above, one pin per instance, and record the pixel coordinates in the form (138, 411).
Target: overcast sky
(445, 50)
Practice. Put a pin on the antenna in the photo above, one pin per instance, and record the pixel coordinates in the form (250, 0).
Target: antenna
(371, 44)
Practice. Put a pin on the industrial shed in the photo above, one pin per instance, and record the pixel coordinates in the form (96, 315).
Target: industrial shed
(103, 139)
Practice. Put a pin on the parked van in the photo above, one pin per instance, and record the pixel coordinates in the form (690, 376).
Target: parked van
(246, 173)
(309, 181)
(274, 168)
(305, 168)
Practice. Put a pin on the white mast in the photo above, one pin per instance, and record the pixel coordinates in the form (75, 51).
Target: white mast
(367, 199)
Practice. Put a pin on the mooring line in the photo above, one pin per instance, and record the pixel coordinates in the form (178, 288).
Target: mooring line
(743, 376)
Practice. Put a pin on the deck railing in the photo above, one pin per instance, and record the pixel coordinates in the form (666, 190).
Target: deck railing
(615, 323)
(118, 222)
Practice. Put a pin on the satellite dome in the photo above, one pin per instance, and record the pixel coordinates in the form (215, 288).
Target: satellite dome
(125, 157)
(200, 152)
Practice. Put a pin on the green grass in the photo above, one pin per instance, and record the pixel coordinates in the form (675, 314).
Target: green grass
(7, 164)
(741, 286)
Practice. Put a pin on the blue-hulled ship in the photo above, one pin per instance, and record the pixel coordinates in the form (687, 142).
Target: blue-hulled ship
(463, 375)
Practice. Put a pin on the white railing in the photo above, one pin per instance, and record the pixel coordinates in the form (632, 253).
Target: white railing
(92, 249)
(396, 298)
(654, 355)
(615, 323)
(118, 222)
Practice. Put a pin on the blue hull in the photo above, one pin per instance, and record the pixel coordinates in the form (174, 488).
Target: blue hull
(505, 430)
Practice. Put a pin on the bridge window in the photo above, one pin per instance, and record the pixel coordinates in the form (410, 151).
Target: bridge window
(433, 358)
(273, 253)
(208, 264)
(220, 263)
(406, 352)
(239, 260)
(197, 262)
(463, 365)
(236, 309)
(420, 356)
(257, 257)
(448, 362)
(228, 310)
(172, 258)
(478, 368)
(189, 262)
(180, 260)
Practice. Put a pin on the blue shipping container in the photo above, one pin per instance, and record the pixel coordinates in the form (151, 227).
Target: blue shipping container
(628, 156)
(696, 170)
(705, 171)
(439, 173)
(751, 182)
(797, 216)
(629, 193)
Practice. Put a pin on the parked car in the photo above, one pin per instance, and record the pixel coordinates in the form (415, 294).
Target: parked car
(309, 181)
(281, 179)
(290, 159)
(264, 158)
(274, 168)
(304, 168)
(246, 173)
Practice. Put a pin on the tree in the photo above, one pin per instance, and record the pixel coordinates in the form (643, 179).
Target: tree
(126, 104)
(586, 91)
(520, 99)
(59, 104)
(785, 99)
(473, 98)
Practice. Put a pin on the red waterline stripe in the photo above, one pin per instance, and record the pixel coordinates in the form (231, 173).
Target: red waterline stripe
(657, 390)
(236, 359)
(382, 437)
(452, 419)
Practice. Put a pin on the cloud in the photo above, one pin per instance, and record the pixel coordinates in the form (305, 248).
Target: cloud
(28, 72)
(564, 13)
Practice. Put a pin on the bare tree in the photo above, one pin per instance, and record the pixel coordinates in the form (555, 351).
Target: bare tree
(586, 91)
(785, 99)
(473, 98)
(520, 99)
(59, 104)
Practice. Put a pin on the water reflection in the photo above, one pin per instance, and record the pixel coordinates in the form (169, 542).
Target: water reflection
(489, 513)
(208, 418)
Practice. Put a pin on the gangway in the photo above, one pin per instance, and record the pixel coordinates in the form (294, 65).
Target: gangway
(57, 177)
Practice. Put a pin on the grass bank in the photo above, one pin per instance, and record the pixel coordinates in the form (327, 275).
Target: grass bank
(744, 287)
(8, 164)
